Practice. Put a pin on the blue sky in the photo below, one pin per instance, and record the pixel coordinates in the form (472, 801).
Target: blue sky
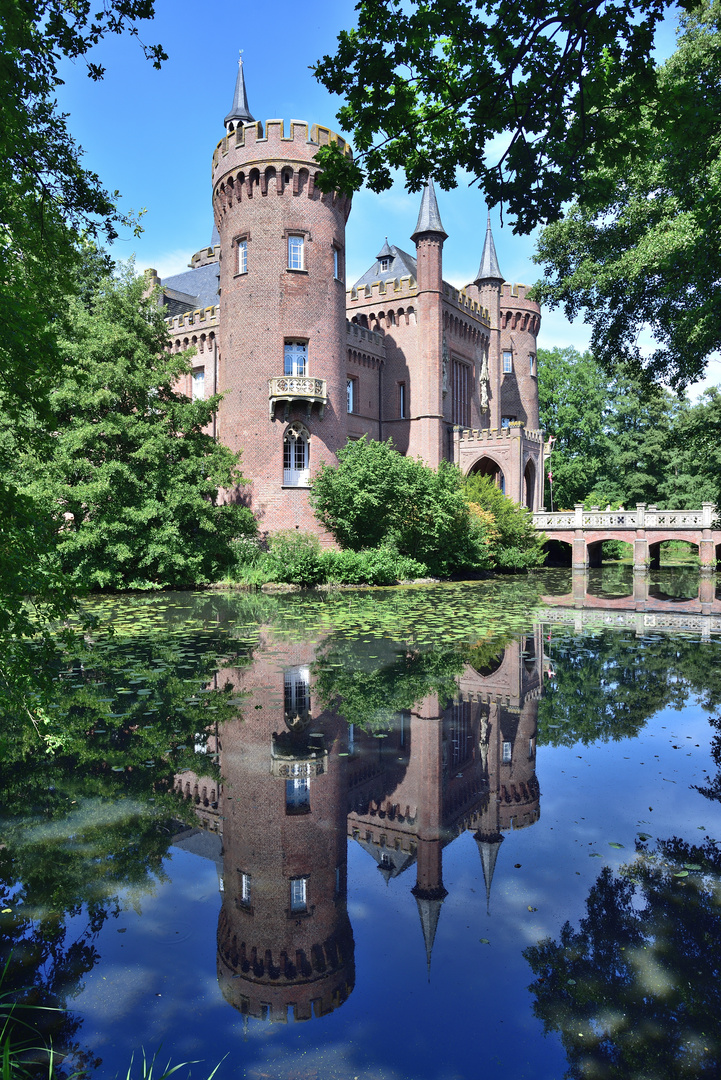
(150, 134)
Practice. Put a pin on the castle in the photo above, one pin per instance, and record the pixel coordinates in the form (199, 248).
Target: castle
(305, 364)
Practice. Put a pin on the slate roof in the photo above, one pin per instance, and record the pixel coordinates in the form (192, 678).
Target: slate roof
(489, 269)
(199, 284)
(401, 265)
(239, 109)
(429, 217)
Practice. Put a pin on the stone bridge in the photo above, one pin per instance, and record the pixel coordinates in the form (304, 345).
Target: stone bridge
(645, 527)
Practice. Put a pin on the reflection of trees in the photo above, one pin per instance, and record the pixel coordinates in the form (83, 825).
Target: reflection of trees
(606, 686)
(82, 825)
(712, 788)
(635, 992)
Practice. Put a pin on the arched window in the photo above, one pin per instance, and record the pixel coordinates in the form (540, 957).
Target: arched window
(296, 457)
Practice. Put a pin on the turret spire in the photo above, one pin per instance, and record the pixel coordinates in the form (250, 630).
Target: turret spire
(488, 845)
(429, 218)
(489, 269)
(239, 113)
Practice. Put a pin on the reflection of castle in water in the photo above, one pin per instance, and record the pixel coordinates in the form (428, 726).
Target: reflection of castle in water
(297, 782)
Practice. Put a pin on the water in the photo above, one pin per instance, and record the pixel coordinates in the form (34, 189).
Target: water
(434, 833)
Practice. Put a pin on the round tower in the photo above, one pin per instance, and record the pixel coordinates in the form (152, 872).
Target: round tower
(520, 320)
(282, 301)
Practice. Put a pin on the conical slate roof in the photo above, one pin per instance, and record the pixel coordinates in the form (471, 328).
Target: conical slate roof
(488, 846)
(489, 269)
(429, 909)
(240, 113)
(385, 252)
(429, 218)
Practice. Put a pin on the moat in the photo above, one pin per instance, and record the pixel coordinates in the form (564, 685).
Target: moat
(429, 833)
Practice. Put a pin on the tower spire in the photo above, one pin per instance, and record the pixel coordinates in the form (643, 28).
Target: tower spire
(429, 218)
(239, 113)
(429, 909)
(488, 845)
(489, 269)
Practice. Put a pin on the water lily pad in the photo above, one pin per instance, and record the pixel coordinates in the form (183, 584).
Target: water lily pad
(612, 843)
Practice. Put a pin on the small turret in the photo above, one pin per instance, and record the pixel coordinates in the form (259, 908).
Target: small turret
(239, 113)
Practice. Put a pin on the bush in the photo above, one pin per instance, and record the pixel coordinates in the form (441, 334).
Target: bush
(376, 495)
(514, 542)
(376, 566)
(295, 557)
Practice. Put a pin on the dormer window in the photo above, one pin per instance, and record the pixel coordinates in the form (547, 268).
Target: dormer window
(385, 264)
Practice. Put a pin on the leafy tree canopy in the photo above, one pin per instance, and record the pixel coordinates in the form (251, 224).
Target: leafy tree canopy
(640, 250)
(131, 477)
(430, 84)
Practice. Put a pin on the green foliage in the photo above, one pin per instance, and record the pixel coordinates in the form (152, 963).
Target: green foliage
(426, 88)
(295, 557)
(634, 991)
(376, 494)
(639, 251)
(130, 476)
(372, 566)
(620, 441)
(517, 544)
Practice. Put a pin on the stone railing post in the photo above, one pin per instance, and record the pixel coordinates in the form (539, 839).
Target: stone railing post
(578, 516)
(640, 515)
(640, 545)
(707, 547)
(707, 510)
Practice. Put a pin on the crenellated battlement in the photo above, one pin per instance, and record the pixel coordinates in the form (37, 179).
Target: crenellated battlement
(205, 256)
(357, 334)
(253, 143)
(462, 300)
(513, 295)
(208, 318)
(396, 287)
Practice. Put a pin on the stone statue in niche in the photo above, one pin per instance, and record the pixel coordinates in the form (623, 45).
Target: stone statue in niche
(485, 382)
(445, 366)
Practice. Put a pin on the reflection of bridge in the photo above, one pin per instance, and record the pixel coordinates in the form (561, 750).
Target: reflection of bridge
(639, 611)
(646, 528)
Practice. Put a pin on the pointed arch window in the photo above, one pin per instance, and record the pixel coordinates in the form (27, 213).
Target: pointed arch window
(296, 457)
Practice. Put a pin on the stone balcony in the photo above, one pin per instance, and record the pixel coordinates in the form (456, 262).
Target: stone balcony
(286, 390)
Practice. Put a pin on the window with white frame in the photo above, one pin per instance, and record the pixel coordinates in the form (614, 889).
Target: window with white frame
(532, 362)
(296, 457)
(198, 383)
(295, 359)
(337, 265)
(506, 753)
(297, 795)
(352, 394)
(296, 688)
(402, 400)
(298, 894)
(242, 256)
(384, 265)
(296, 253)
(245, 889)
(507, 362)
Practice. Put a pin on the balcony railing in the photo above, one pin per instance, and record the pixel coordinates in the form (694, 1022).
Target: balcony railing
(287, 389)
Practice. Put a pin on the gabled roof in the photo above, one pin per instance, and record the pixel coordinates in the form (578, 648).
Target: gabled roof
(401, 265)
(239, 111)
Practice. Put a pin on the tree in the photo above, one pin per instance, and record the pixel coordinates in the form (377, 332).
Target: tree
(516, 544)
(131, 478)
(641, 250)
(428, 86)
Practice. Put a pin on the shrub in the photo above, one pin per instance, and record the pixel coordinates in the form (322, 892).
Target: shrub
(376, 495)
(516, 544)
(295, 557)
(376, 566)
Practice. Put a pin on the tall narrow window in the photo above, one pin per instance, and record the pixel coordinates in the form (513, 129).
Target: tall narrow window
(507, 751)
(460, 733)
(198, 383)
(402, 400)
(298, 894)
(507, 362)
(461, 374)
(297, 795)
(296, 358)
(296, 457)
(352, 394)
(242, 256)
(296, 253)
(532, 362)
(296, 687)
(245, 889)
(337, 265)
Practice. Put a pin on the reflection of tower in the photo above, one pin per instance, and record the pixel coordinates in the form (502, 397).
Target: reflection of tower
(507, 691)
(284, 937)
